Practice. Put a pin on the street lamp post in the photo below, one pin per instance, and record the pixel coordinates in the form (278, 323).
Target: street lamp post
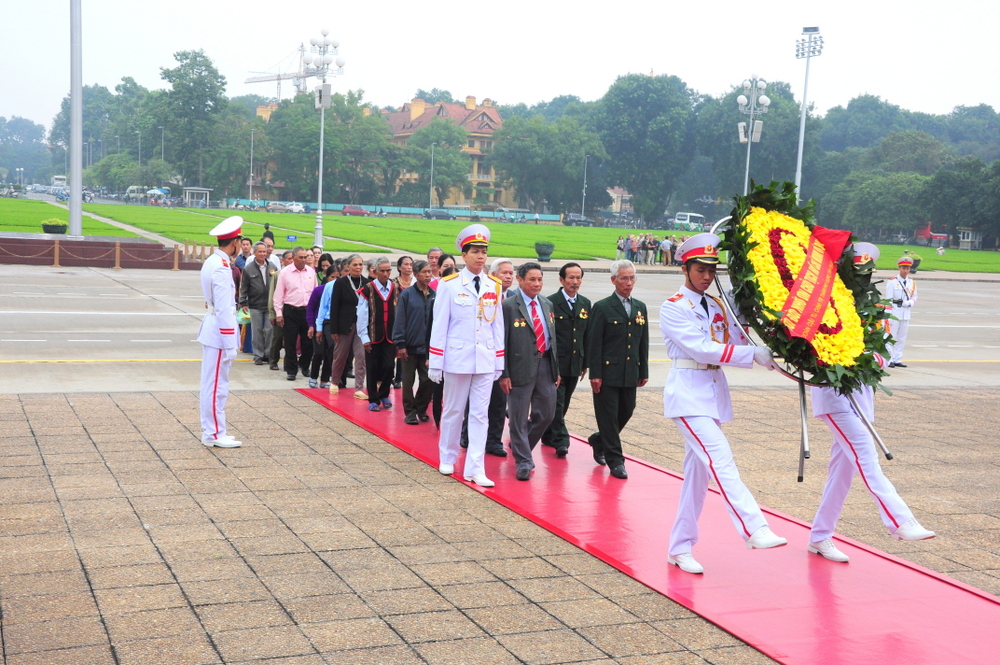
(430, 192)
(754, 105)
(250, 181)
(20, 176)
(161, 144)
(583, 203)
(139, 132)
(806, 48)
(317, 63)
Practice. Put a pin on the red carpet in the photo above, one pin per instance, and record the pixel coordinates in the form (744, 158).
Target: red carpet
(794, 606)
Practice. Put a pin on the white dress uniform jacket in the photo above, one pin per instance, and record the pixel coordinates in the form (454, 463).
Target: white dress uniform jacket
(902, 290)
(218, 328)
(468, 325)
(692, 336)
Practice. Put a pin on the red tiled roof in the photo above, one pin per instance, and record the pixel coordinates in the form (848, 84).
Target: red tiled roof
(480, 120)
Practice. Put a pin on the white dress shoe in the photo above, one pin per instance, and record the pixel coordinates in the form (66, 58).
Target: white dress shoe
(224, 441)
(446, 469)
(911, 530)
(686, 563)
(480, 479)
(763, 538)
(827, 550)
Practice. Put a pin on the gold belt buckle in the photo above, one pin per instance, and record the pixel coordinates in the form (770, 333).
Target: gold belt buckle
(712, 366)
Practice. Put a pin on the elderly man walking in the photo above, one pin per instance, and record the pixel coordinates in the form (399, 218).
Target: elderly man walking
(291, 295)
(254, 288)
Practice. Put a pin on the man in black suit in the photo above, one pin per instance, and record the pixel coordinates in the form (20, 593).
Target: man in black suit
(339, 305)
(618, 359)
(255, 286)
(572, 313)
(531, 374)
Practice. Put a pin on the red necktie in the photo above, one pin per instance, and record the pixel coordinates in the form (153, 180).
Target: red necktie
(536, 324)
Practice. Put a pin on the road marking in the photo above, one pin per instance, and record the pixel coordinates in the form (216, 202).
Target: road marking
(151, 340)
(925, 346)
(959, 346)
(71, 294)
(88, 340)
(926, 325)
(23, 340)
(26, 293)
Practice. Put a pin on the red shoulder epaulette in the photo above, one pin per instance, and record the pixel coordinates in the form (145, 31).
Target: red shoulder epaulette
(675, 297)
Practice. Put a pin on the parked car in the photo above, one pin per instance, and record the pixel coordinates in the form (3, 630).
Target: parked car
(275, 206)
(357, 211)
(438, 214)
(574, 219)
(296, 207)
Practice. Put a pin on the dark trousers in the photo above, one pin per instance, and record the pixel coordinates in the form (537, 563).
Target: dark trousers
(497, 414)
(277, 343)
(381, 365)
(414, 367)
(296, 329)
(322, 359)
(557, 435)
(613, 409)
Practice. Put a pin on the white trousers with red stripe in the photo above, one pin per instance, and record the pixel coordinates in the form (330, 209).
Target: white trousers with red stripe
(215, 364)
(459, 390)
(853, 452)
(707, 457)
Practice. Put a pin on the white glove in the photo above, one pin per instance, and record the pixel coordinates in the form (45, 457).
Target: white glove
(908, 303)
(435, 375)
(497, 374)
(762, 356)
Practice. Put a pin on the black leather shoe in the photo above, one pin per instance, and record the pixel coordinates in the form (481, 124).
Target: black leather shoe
(900, 365)
(258, 361)
(350, 374)
(619, 472)
(562, 451)
(497, 451)
(397, 385)
(274, 367)
(464, 443)
(423, 417)
(290, 377)
(595, 443)
(411, 420)
(523, 474)
(892, 365)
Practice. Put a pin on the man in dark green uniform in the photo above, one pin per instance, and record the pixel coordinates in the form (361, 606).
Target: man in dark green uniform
(618, 359)
(572, 312)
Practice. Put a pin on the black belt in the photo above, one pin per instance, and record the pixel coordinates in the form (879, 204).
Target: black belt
(294, 306)
(544, 354)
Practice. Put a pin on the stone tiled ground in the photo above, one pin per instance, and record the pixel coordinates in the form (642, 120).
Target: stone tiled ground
(124, 540)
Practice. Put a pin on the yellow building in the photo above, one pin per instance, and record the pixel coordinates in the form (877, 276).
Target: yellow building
(481, 121)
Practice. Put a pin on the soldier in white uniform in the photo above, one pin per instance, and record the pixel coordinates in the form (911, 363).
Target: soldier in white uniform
(902, 291)
(700, 339)
(853, 452)
(467, 350)
(218, 335)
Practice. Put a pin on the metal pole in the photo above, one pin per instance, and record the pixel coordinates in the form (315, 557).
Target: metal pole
(804, 447)
(869, 426)
(161, 144)
(746, 175)
(583, 202)
(139, 132)
(75, 120)
(250, 183)
(430, 193)
(802, 126)
(318, 240)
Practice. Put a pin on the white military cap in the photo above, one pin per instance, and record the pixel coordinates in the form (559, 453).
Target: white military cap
(865, 252)
(473, 234)
(230, 227)
(703, 248)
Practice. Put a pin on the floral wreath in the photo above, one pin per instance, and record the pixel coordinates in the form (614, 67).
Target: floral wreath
(768, 242)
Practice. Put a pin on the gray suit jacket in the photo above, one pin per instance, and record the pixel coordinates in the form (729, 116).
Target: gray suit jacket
(521, 350)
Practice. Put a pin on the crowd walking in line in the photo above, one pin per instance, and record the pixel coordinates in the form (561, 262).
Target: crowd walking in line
(480, 351)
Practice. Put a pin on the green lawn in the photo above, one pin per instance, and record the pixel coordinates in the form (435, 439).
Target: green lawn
(955, 260)
(26, 215)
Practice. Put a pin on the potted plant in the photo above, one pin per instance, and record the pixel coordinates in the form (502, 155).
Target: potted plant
(53, 225)
(544, 250)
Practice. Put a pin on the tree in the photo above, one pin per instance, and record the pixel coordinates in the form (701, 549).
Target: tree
(451, 165)
(294, 136)
(434, 96)
(912, 151)
(22, 145)
(645, 124)
(862, 124)
(957, 195)
(195, 101)
(887, 204)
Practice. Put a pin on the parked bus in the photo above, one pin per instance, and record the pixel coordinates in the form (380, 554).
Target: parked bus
(58, 181)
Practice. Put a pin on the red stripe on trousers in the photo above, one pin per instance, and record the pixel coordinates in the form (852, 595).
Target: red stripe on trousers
(711, 467)
(215, 393)
(861, 472)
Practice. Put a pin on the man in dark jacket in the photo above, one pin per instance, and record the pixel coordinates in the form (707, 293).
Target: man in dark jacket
(410, 333)
(255, 286)
(375, 319)
(338, 311)
(618, 359)
(572, 312)
(531, 374)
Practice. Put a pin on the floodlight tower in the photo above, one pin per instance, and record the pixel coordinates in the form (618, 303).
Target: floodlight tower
(811, 46)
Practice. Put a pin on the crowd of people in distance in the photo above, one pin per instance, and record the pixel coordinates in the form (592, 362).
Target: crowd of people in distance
(482, 346)
(647, 249)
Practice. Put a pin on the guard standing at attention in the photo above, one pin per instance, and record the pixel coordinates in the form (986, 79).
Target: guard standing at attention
(217, 336)
(618, 358)
(700, 339)
(467, 351)
(572, 313)
(902, 291)
(854, 452)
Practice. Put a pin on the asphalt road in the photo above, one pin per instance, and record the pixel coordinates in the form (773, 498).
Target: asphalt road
(84, 329)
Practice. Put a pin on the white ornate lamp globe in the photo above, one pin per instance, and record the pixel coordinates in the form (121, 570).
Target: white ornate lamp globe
(327, 59)
(341, 62)
(764, 100)
(335, 43)
(761, 85)
(742, 100)
(314, 41)
(324, 32)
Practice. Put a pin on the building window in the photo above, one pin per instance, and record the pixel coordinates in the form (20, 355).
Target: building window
(472, 143)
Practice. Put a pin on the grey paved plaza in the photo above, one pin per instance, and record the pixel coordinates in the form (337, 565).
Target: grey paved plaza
(124, 540)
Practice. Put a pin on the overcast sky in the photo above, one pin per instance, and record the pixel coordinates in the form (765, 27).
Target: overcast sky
(920, 55)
